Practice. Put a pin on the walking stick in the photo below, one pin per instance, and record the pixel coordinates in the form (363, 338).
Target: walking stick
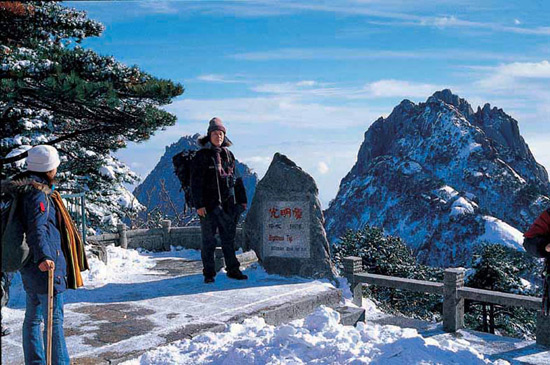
(50, 318)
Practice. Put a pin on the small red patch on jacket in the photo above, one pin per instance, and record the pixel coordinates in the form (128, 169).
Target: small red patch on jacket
(42, 207)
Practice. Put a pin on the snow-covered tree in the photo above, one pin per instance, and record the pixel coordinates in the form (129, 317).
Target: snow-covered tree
(53, 91)
(389, 255)
(500, 268)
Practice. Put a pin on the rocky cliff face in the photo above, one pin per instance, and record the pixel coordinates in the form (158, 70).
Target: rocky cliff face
(444, 178)
(160, 191)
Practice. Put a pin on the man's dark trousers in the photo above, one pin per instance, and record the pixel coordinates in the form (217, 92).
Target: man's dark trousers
(223, 220)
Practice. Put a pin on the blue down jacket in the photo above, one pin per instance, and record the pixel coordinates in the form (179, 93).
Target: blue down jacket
(39, 219)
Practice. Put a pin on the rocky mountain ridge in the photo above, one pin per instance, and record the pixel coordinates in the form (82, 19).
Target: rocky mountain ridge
(444, 178)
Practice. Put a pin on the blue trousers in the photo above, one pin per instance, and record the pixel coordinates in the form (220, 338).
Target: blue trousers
(34, 343)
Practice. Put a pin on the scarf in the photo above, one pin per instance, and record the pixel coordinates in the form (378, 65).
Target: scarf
(71, 244)
(219, 166)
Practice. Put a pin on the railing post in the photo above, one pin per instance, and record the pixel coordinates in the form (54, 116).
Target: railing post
(166, 234)
(543, 330)
(453, 305)
(122, 239)
(354, 265)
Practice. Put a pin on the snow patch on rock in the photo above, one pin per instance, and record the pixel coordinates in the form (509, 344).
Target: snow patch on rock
(497, 231)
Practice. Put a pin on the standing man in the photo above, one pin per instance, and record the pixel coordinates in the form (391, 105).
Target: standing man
(213, 191)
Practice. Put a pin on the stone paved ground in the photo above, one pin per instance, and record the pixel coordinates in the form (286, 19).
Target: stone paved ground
(117, 322)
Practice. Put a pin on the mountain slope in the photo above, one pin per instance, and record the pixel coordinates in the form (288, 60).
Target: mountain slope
(443, 178)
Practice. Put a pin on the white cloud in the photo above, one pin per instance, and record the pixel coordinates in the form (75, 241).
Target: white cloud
(377, 89)
(516, 75)
(361, 53)
(322, 167)
(526, 69)
(392, 88)
(221, 79)
(451, 21)
(257, 160)
(395, 11)
(301, 88)
(441, 21)
(306, 83)
(276, 110)
(158, 6)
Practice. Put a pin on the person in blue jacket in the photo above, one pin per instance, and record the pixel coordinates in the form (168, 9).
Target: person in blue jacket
(43, 237)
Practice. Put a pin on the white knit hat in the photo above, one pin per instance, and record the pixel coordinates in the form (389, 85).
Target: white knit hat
(42, 158)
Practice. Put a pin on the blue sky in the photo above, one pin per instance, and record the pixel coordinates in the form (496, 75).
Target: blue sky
(307, 78)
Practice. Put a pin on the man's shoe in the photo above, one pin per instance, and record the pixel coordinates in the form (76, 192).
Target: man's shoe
(208, 279)
(237, 275)
(5, 331)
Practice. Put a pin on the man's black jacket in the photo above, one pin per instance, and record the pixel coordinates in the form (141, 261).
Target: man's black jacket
(204, 185)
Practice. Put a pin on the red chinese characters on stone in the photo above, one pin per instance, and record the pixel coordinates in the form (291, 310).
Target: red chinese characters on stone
(285, 212)
(273, 213)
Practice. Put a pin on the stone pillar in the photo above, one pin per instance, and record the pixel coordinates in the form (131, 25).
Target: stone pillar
(219, 261)
(543, 330)
(122, 239)
(354, 265)
(166, 234)
(453, 306)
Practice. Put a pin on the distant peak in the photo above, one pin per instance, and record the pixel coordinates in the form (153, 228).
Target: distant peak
(283, 159)
(407, 104)
(447, 96)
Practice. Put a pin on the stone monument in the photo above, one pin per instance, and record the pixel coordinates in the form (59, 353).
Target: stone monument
(285, 223)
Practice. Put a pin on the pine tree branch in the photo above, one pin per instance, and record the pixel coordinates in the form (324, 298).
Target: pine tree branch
(51, 143)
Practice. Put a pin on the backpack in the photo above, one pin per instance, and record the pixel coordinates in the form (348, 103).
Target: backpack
(183, 164)
(15, 250)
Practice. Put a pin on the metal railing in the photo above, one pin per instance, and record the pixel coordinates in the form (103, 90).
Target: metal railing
(76, 205)
(453, 290)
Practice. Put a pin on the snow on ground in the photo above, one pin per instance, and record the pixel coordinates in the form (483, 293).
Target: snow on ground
(461, 206)
(123, 266)
(317, 339)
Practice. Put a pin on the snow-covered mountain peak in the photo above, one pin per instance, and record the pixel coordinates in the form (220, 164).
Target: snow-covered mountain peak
(439, 175)
(449, 98)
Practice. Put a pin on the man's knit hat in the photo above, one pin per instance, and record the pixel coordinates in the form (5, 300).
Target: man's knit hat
(216, 124)
(42, 158)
